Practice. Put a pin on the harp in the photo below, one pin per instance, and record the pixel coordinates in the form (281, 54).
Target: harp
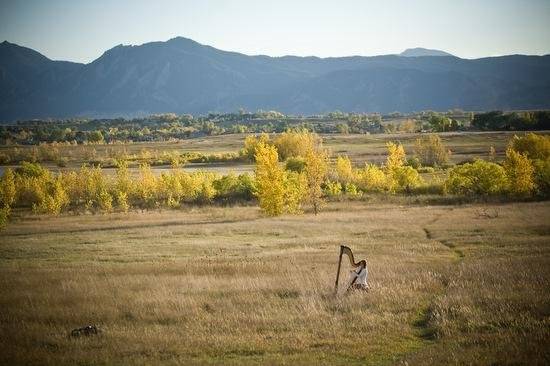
(346, 250)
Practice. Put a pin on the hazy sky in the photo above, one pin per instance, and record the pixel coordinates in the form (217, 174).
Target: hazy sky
(77, 30)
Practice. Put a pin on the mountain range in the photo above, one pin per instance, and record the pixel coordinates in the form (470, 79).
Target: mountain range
(183, 76)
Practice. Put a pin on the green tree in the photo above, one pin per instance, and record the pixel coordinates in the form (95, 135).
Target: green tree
(439, 123)
(95, 136)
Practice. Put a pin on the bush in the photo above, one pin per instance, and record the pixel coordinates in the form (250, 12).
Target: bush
(31, 170)
(333, 189)
(250, 144)
(430, 188)
(426, 169)
(295, 164)
(430, 151)
(54, 199)
(4, 216)
(478, 178)
(62, 162)
(413, 162)
(344, 170)
(542, 176)
(122, 201)
(8, 190)
(536, 147)
(295, 143)
(351, 190)
(371, 179)
(404, 178)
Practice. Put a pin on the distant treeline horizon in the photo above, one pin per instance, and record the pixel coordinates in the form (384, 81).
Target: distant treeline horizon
(170, 126)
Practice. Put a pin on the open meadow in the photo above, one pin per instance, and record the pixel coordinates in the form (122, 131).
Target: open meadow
(461, 284)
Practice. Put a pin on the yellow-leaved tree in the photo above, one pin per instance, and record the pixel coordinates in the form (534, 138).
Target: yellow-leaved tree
(344, 170)
(396, 156)
(278, 191)
(7, 188)
(270, 180)
(520, 172)
(316, 173)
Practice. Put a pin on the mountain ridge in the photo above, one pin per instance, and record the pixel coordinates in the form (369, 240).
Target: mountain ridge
(423, 52)
(184, 76)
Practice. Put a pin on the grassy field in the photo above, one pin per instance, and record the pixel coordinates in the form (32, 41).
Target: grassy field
(449, 285)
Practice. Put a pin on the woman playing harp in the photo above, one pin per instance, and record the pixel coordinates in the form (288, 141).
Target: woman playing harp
(358, 276)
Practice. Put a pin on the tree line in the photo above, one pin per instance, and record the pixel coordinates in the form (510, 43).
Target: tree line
(166, 127)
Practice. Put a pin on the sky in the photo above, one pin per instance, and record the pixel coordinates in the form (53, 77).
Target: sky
(80, 31)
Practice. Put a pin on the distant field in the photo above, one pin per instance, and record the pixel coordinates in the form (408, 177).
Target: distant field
(359, 147)
(450, 285)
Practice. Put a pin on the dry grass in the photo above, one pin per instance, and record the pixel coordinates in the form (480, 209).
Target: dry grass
(225, 285)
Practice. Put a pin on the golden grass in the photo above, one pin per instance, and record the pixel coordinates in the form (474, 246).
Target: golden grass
(218, 285)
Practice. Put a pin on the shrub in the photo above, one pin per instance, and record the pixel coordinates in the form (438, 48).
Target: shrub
(54, 199)
(247, 186)
(542, 176)
(404, 178)
(4, 216)
(105, 201)
(250, 144)
(536, 147)
(62, 162)
(477, 178)
(429, 188)
(371, 179)
(431, 151)
(233, 187)
(206, 191)
(413, 162)
(399, 176)
(333, 189)
(520, 173)
(122, 201)
(426, 169)
(31, 170)
(295, 164)
(344, 170)
(146, 188)
(295, 143)
(351, 190)
(8, 191)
